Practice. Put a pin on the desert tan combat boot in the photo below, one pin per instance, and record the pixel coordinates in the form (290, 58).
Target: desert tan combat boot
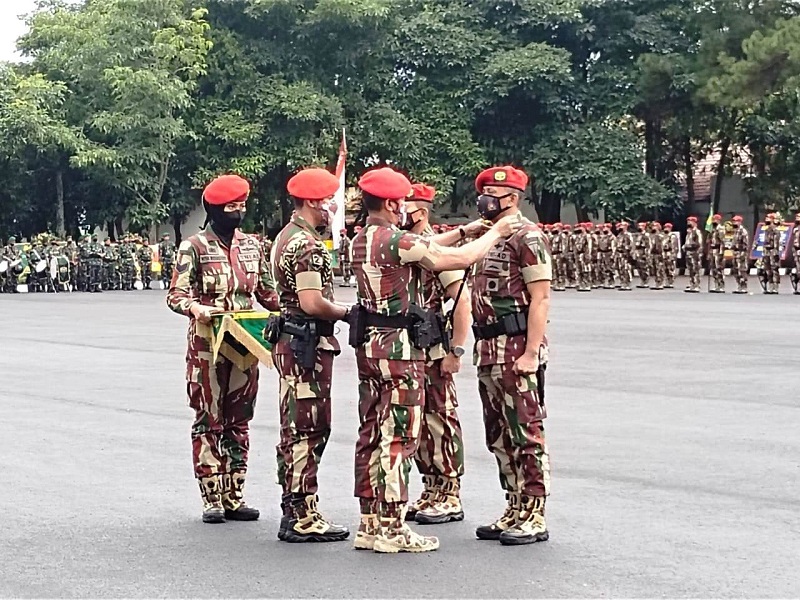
(211, 491)
(509, 518)
(236, 508)
(367, 530)
(530, 527)
(306, 524)
(446, 506)
(429, 493)
(395, 536)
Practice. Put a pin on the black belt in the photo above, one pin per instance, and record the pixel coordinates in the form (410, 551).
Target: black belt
(511, 325)
(389, 322)
(324, 328)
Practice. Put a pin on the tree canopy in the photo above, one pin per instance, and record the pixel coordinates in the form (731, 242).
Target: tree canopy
(124, 108)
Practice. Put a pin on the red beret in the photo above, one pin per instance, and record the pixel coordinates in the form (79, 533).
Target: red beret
(313, 184)
(568, 226)
(506, 176)
(226, 189)
(717, 217)
(667, 225)
(692, 219)
(737, 218)
(420, 191)
(385, 183)
(622, 224)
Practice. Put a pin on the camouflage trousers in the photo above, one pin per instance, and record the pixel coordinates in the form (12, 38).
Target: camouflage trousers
(512, 418)
(643, 267)
(390, 412)
(570, 275)
(670, 266)
(584, 271)
(223, 399)
(772, 263)
(718, 269)
(305, 420)
(657, 269)
(625, 270)
(741, 268)
(606, 268)
(441, 443)
(559, 271)
(166, 272)
(347, 271)
(693, 266)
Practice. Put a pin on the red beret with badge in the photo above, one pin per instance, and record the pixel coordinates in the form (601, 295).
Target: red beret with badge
(226, 189)
(385, 183)
(422, 192)
(507, 176)
(313, 184)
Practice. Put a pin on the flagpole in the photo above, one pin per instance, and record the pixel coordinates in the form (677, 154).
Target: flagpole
(339, 197)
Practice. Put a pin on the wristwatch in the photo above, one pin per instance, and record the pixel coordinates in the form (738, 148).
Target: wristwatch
(457, 351)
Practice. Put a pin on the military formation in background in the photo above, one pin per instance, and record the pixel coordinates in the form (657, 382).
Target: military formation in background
(587, 256)
(48, 264)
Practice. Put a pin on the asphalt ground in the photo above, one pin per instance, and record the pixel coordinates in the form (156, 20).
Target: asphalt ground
(674, 444)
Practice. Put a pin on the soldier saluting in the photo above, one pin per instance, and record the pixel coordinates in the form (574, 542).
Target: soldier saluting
(220, 269)
(304, 354)
(391, 333)
(510, 302)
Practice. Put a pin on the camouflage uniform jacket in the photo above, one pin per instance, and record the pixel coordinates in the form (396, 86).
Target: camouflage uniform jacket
(671, 245)
(388, 264)
(344, 249)
(694, 240)
(126, 252)
(166, 251)
(301, 262)
(741, 240)
(625, 243)
(558, 243)
(226, 278)
(499, 288)
(434, 291)
(144, 255)
(642, 243)
(583, 243)
(718, 240)
(772, 242)
(796, 238)
(657, 243)
(606, 243)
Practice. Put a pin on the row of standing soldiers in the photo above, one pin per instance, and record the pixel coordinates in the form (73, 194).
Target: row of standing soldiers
(88, 265)
(589, 256)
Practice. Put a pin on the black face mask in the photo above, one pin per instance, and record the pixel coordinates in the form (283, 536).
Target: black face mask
(407, 223)
(223, 223)
(489, 206)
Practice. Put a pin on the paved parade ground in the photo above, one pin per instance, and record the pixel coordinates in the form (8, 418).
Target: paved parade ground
(675, 445)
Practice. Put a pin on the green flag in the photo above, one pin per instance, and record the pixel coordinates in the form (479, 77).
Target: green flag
(710, 217)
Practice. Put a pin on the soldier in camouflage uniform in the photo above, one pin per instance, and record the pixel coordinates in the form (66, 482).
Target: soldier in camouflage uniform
(440, 457)
(559, 264)
(344, 258)
(127, 263)
(642, 248)
(606, 249)
(72, 252)
(796, 253)
(583, 251)
(510, 301)
(657, 256)
(390, 353)
(772, 254)
(166, 256)
(95, 253)
(741, 255)
(671, 247)
(220, 269)
(304, 279)
(625, 256)
(144, 256)
(595, 276)
(692, 249)
(569, 257)
(716, 257)
(111, 266)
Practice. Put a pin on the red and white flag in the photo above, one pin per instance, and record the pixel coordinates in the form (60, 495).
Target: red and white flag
(339, 199)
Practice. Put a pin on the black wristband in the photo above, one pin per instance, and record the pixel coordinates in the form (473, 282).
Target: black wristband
(462, 231)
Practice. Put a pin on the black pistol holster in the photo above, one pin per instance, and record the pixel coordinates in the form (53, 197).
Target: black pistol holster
(513, 324)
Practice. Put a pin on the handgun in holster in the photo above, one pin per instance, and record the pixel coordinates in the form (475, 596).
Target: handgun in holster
(357, 320)
(304, 342)
(273, 329)
(425, 331)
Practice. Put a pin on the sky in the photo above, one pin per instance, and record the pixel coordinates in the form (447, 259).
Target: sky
(11, 26)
